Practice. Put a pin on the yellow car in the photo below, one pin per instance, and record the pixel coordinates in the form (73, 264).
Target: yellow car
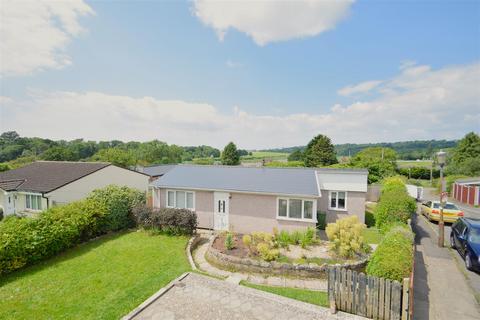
(431, 210)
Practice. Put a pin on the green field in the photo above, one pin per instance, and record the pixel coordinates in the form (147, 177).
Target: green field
(257, 156)
(102, 279)
(414, 163)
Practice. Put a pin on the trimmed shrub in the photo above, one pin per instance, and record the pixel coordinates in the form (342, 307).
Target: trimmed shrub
(346, 237)
(393, 184)
(394, 207)
(24, 241)
(393, 257)
(247, 241)
(174, 221)
(419, 172)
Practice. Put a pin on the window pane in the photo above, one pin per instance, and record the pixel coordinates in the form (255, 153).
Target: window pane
(39, 202)
(307, 209)
(180, 200)
(282, 207)
(189, 200)
(34, 202)
(170, 199)
(295, 208)
(333, 200)
(341, 200)
(27, 198)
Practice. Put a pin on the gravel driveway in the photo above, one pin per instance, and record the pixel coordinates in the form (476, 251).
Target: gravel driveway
(201, 297)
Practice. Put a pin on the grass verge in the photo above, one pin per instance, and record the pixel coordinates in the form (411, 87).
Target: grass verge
(101, 279)
(318, 298)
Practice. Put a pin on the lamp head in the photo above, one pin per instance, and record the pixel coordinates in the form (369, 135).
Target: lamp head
(441, 157)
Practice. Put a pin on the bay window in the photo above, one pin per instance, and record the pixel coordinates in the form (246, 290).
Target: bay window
(338, 200)
(296, 209)
(180, 199)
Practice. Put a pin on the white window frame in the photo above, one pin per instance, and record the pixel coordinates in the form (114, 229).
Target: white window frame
(314, 209)
(175, 198)
(330, 201)
(39, 197)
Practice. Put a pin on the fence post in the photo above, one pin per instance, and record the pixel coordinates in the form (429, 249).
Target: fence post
(331, 290)
(362, 295)
(405, 299)
(386, 312)
(396, 307)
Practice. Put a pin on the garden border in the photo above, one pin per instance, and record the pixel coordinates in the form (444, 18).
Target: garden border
(249, 265)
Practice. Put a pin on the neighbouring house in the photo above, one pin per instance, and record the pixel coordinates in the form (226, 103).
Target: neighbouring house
(259, 199)
(43, 184)
(156, 171)
(467, 191)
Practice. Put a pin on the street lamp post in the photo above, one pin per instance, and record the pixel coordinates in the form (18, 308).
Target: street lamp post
(441, 157)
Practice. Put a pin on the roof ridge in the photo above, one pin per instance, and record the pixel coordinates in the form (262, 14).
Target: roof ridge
(270, 168)
(65, 161)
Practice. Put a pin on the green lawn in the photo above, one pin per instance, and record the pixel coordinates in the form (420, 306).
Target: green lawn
(102, 279)
(372, 235)
(259, 155)
(318, 298)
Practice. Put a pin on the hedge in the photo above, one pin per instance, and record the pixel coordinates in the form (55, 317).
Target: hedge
(419, 172)
(393, 257)
(24, 241)
(395, 205)
(168, 220)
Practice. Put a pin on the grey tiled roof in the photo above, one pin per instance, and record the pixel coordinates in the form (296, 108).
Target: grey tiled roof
(286, 181)
(158, 170)
(46, 176)
(9, 185)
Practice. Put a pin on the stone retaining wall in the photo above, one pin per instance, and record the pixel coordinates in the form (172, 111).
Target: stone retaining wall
(249, 265)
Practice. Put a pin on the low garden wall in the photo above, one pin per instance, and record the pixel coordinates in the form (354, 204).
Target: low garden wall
(249, 265)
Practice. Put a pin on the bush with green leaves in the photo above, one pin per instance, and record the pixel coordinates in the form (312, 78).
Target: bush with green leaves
(118, 202)
(266, 252)
(394, 208)
(345, 236)
(307, 238)
(24, 241)
(166, 220)
(393, 257)
(393, 184)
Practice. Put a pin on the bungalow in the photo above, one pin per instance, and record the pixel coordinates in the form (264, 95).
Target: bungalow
(43, 184)
(260, 199)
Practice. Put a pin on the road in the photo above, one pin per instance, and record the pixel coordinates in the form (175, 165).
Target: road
(473, 278)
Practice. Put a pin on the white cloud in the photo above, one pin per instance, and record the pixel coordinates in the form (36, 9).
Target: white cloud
(362, 87)
(270, 21)
(36, 33)
(442, 103)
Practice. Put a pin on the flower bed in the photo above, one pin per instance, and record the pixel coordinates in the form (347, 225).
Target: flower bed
(239, 258)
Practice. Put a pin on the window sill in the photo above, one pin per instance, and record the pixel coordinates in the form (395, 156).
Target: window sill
(298, 220)
(335, 209)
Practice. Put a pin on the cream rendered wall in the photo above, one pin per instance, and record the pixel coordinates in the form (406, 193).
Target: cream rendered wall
(355, 205)
(109, 175)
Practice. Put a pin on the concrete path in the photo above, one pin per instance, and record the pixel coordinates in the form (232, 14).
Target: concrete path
(196, 297)
(199, 257)
(440, 289)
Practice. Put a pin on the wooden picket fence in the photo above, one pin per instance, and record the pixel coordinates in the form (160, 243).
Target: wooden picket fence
(368, 296)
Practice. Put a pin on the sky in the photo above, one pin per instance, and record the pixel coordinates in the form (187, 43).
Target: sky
(263, 74)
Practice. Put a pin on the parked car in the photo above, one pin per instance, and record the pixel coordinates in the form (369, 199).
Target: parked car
(431, 210)
(465, 237)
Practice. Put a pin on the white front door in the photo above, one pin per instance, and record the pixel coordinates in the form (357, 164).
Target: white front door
(10, 203)
(221, 209)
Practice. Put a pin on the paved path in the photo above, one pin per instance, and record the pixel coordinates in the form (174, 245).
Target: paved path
(199, 257)
(473, 278)
(440, 289)
(199, 297)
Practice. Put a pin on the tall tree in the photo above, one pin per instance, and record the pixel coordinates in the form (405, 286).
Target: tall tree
(296, 155)
(320, 152)
(230, 155)
(465, 158)
(380, 162)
